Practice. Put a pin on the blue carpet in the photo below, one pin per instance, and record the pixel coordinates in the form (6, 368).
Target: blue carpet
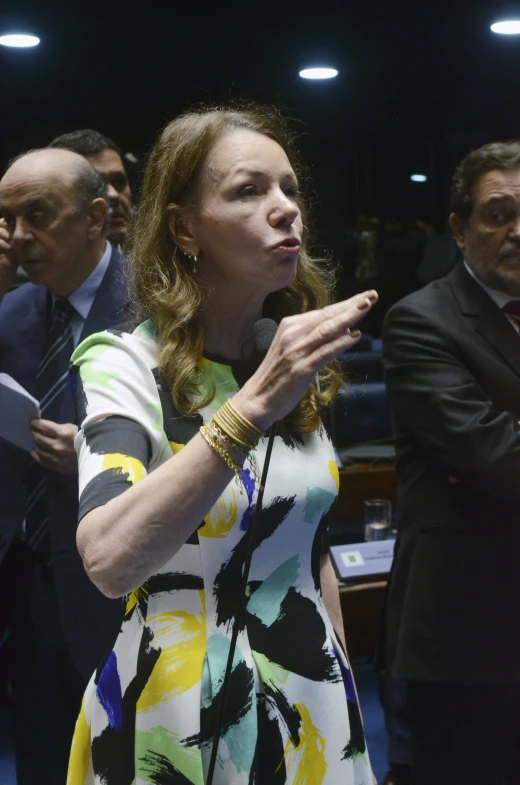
(366, 681)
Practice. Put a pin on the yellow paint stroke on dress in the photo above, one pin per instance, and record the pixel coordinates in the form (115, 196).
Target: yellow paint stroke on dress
(221, 518)
(79, 761)
(176, 447)
(126, 464)
(334, 473)
(306, 764)
(134, 597)
(181, 636)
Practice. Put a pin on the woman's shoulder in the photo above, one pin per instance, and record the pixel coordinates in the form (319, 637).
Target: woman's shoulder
(113, 345)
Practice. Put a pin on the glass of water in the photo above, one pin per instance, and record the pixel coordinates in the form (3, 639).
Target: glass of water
(378, 519)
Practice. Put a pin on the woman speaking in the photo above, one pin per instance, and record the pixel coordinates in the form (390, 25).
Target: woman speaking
(173, 441)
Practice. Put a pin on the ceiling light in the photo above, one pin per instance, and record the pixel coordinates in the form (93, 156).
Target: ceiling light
(509, 27)
(418, 178)
(318, 73)
(132, 158)
(19, 40)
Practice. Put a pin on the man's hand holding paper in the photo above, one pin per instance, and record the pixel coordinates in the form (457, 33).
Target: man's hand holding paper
(54, 445)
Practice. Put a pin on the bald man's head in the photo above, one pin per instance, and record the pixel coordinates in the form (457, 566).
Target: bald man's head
(55, 206)
(69, 168)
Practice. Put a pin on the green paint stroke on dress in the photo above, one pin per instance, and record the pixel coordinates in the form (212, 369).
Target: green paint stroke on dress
(266, 602)
(318, 501)
(88, 352)
(270, 672)
(154, 747)
(157, 424)
(216, 378)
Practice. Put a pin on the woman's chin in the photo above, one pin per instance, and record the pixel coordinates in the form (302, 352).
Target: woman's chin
(285, 274)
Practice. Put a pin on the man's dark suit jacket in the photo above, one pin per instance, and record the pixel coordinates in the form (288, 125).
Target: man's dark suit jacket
(90, 621)
(452, 365)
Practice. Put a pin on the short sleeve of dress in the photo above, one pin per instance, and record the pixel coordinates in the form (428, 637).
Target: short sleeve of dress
(121, 436)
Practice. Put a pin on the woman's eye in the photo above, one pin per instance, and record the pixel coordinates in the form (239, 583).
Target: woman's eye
(248, 190)
(292, 191)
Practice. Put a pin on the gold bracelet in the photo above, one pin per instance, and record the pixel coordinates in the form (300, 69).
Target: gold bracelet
(222, 453)
(247, 453)
(234, 435)
(236, 428)
(255, 432)
(222, 436)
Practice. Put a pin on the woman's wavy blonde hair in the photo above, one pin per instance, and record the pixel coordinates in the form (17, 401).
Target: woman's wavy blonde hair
(165, 286)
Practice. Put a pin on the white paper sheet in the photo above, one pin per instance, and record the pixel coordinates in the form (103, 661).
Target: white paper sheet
(17, 409)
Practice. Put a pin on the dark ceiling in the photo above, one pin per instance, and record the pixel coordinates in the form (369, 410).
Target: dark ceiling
(420, 83)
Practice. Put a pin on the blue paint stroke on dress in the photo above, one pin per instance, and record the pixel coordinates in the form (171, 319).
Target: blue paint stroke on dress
(109, 692)
(348, 681)
(249, 484)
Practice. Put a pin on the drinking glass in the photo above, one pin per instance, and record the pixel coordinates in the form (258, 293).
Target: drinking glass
(378, 519)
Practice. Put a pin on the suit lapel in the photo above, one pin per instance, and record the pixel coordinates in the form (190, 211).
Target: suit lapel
(489, 320)
(107, 308)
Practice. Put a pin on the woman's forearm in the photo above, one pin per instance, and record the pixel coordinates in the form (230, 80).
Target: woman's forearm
(129, 538)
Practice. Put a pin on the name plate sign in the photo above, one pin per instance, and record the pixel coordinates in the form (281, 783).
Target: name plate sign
(363, 558)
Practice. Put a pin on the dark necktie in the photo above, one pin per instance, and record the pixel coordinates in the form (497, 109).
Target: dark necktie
(512, 309)
(51, 380)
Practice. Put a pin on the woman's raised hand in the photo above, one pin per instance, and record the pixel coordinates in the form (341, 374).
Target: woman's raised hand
(302, 346)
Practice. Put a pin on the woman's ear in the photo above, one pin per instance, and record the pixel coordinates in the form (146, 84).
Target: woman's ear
(179, 227)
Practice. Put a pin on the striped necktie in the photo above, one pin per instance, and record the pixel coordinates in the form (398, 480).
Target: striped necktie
(512, 309)
(51, 380)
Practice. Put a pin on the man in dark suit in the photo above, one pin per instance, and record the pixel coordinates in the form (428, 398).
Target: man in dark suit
(452, 362)
(54, 222)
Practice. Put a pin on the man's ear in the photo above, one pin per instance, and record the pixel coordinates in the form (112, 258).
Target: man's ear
(97, 211)
(180, 229)
(458, 227)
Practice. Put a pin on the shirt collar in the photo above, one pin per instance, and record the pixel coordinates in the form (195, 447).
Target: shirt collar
(83, 297)
(499, 298)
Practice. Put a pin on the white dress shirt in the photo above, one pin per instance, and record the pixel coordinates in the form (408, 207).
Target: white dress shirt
(83, 297)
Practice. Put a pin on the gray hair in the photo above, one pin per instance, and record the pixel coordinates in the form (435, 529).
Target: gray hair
(90, 185)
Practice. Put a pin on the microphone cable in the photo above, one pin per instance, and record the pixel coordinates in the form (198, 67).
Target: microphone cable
(265, 330)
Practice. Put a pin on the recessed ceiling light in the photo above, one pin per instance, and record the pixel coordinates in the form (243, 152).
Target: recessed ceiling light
(508, 27)
(318, 73)
(418, 178)
(19, 40)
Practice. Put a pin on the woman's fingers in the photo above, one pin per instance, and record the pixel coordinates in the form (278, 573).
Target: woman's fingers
(336, 322)
(327, 352)
(303, 344)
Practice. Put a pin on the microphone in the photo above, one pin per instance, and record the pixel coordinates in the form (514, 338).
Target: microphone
(264, 331)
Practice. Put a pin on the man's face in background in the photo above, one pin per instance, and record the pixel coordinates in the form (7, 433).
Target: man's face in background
(110, 166)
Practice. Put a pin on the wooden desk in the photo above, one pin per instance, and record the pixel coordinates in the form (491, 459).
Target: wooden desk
(364, 481)
(362, 605)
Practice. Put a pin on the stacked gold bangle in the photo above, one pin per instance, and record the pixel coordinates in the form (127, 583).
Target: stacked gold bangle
(229, 427)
